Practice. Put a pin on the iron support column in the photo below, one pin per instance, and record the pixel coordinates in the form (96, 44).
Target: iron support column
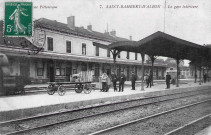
(142, 70)
(177, 61)
(195, 76)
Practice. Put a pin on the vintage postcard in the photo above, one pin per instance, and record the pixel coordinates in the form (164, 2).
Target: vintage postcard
(117, 67)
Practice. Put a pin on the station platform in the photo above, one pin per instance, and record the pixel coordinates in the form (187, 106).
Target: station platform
(21, 106)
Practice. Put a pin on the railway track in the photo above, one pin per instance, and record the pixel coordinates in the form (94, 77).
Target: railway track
(148, 100)
(124, 125)
(196, 125)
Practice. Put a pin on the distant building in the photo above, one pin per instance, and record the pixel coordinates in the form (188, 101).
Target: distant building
(184, 71)
(68, 50)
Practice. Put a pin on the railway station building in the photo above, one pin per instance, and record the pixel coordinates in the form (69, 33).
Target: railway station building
(67, 50)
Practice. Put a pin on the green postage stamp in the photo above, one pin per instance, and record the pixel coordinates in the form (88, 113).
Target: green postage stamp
(18, 19)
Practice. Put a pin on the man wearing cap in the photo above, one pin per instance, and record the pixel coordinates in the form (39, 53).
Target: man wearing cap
(114, 80)
(122, 80)
(133, 80)
(168, 79)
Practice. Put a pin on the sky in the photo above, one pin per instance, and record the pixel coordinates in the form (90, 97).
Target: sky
(191, 24)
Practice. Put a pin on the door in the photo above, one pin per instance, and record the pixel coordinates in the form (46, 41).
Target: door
(50, 71)
(51, 74)
(68, 71)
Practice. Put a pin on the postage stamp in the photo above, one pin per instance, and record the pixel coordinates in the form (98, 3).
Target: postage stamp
(18, 19)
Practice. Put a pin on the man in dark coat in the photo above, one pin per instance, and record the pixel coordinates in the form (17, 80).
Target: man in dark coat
(114, 80)
(122, 80)
(168, 78)
(133, 80)
(149, 81)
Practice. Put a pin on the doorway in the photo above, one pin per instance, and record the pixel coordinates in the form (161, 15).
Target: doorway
(51, 74)
(51, 71)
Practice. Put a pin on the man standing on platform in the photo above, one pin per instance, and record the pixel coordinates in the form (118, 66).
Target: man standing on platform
(168, 78)
(122, 80)
(114, 80)
(133, 80)
(149, 81)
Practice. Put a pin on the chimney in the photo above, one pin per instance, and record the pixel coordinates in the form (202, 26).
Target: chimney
(113, 33)
(89, 27)
(106, 32)
(71, 22)
(130, 37)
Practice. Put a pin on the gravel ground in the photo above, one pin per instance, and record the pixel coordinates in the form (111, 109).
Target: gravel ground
(78, 114)
(194, 128)
(165, 123)
(100, 122)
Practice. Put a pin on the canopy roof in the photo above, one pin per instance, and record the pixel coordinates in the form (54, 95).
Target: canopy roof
(162, 44)
(130, 46)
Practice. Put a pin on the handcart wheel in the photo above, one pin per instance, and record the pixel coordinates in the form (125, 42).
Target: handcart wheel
(78, 88)
(50, 89)
(61, 90)
(87, 88)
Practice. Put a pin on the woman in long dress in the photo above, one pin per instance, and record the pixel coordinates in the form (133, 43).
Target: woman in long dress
(17, 21)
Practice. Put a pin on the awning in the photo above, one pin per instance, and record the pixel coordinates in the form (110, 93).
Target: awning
(69, 57)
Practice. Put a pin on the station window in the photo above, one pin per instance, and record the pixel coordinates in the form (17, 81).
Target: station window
(84, 66)
(74, 71)
(68, 46)
(108, 53)
(97, 50)
(84, 49)
(40, 69)
(60, 69)
(50, 43)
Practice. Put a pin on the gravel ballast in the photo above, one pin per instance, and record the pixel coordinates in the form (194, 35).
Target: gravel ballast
(104, 121)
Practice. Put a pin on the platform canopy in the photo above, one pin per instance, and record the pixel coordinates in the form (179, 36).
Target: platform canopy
(130, 46)
(162, 44)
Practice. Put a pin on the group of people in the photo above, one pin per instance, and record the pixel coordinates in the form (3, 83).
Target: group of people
(114, 79)
(122, 78)
(148, 79)
(206, 77)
